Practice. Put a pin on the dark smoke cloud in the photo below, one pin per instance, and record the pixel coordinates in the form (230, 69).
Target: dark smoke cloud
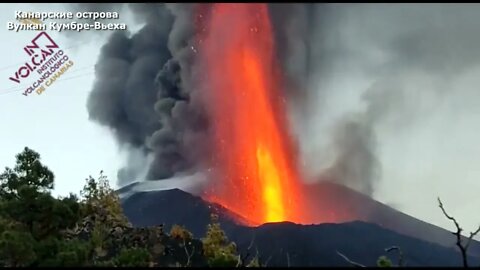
(142, 92)
(353, 74)
(125, 92)
(292, 24)
(145, 94)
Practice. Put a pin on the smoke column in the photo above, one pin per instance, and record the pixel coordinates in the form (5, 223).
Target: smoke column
(364, 83)
(145, 93)
(140, 94)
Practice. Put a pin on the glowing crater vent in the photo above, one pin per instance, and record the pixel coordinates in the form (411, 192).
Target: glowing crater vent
(253, 151)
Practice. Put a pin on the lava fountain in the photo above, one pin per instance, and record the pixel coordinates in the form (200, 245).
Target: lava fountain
(254, 155)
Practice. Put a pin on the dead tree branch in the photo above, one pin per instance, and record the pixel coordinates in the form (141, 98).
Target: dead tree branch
(239, 261)
(268, 260)
(242, 260)
(470, 238)
(355, 264)
(458, 234)
(401, 262)
(288, 260)
(189, 254)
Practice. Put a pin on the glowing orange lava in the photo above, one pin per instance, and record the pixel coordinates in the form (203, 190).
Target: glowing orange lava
(253, 154)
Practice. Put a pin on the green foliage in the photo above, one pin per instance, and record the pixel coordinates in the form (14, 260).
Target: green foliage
(28, 177)
(99, 196)
(98, 238)
(128, 257)
(216, 247)
(24, 191)
(73, 253)
(383, 261)
(69, 253)
(17, 248)
(46, 250)
(39, 230)
(108, 263)
(31, 220)
(132, 257)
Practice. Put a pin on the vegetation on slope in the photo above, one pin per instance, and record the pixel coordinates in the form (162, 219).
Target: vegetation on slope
(37, 229)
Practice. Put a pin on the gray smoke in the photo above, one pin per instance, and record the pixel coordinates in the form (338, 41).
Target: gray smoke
(145, 94)
(377, 76)
(356, 75)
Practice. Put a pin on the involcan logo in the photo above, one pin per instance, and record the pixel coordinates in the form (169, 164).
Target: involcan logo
(46, 59)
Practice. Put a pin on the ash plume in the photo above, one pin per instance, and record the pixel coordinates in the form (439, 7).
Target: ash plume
(138, 93)
(358, 77)
(380, 77)
(145, 94)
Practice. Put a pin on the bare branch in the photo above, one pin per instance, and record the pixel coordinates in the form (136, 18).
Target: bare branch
(472, 234)
(243, 259)
(239, 261)
(251, 243)
(189, 255)
(440, 204)
(355, 264)
(257, 256)
(458, 235)
(268, 260)
(288, 260)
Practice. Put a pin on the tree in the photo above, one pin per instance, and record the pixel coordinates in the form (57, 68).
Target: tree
(383, 261)
(25, 189)
(69, 253)
(133, 257)
(178, 232)
(216, 247)
(99, 196)
(17, 249)
(39, 230)
(32, 220)
(102, 213)
(29, 173)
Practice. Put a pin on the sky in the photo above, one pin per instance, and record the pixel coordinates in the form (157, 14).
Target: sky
(55, 124)
(420, 160)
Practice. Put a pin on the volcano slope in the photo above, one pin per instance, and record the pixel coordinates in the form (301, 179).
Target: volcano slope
(360, 228)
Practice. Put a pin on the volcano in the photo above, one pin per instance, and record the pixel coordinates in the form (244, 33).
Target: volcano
(221, 98)
(360, 228)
